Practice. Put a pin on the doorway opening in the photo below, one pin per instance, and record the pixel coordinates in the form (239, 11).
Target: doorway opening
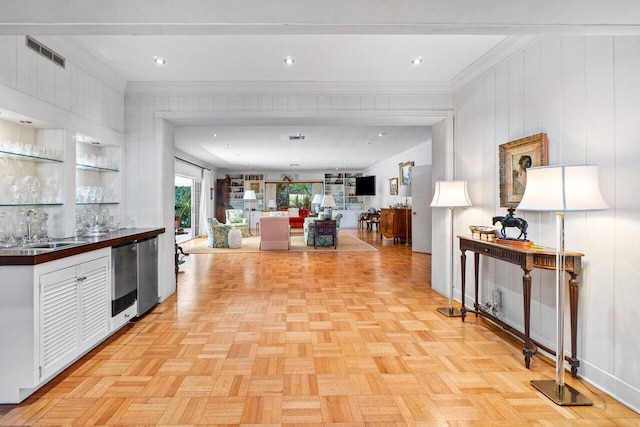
(186, 208)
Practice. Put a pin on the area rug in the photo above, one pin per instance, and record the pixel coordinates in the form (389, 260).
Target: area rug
(346, 243)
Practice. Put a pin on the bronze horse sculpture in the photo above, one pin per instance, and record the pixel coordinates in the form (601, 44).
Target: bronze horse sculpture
(511, 221)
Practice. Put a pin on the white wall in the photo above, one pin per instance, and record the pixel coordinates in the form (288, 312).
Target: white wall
(84, 96)
(389, 168)
(584, 92)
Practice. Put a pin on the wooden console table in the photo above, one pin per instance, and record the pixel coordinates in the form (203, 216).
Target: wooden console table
(527, 259)
(325, 227)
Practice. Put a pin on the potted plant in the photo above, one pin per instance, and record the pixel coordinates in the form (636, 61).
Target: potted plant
(178, 214)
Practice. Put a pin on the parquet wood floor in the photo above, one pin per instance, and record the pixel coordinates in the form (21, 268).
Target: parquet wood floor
(307, 339)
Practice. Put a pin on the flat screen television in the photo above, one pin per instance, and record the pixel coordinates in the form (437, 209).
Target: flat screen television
(366, 185)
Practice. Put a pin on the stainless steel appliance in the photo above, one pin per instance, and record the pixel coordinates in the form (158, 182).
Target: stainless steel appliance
(147, 251)
(124, 284)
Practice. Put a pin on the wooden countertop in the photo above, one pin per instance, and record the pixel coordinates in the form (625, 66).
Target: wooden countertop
(19, 256)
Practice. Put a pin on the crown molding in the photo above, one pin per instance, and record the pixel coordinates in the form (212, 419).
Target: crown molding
(284, 88)
(492, 58)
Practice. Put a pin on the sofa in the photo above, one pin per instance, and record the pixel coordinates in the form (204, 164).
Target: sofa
(297, 217)
(235, 219)
(309, 231)
(274, 233)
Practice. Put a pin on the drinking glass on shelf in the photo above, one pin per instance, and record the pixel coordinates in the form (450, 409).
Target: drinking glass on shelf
(20, 231)
(5, 228)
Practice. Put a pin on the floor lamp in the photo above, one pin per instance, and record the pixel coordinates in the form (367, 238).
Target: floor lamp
(450, 194)
(249, 195)
(560, 189)
(405, 191)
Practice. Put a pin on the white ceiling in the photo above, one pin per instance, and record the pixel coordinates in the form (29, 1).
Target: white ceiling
(318, 58)
(332, 41)
(269, 148)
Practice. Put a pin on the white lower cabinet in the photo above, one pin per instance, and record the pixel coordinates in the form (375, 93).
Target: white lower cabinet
(51, 315)
(74, 312)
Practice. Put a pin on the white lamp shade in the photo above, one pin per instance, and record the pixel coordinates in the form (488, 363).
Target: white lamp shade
(272, 204)
(328, 201)
(317, 199)
(404, 191)
(562, 188)
(450, 194)
(250, 195)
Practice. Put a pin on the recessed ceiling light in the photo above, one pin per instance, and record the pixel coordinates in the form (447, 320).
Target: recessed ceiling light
(416, 61)
(382, 134)
(159, 60)
(289, 60)
(215, 135)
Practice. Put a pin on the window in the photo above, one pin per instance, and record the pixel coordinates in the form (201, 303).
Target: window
(297, 194)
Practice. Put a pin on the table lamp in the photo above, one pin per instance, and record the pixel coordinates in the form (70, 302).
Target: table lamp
(560, 189)
(327, 203)
(272, 206)
(317, 200)
(450, 194)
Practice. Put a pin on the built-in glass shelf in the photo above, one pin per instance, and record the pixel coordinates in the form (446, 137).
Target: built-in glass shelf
(30, 204)
(27, 157)
(96, 203)
(95, 168)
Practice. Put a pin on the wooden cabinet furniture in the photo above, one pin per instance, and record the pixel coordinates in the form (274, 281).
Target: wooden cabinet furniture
(395, 224)
(527, 259)
(325, 227)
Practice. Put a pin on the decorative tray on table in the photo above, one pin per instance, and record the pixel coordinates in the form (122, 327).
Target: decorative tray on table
(484, 232)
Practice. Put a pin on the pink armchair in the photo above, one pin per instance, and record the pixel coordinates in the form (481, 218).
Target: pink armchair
(274, 233)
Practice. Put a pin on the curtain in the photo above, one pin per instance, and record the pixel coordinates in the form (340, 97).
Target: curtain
(269, 193)
(206, 208)
(318, 188)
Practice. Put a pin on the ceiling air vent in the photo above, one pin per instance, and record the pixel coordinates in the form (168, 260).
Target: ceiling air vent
(296, 137)
(45, 51)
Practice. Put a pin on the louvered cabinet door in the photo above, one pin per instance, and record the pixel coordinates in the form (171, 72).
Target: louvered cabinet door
(58, 320)
(94, 286)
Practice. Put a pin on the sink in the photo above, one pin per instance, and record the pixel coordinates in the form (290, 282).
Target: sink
(52, 245)
(44, 246)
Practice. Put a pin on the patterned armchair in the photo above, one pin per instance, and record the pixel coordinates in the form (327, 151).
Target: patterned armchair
(217, 233)
(274, 233)
(309, 231)
(235, 220)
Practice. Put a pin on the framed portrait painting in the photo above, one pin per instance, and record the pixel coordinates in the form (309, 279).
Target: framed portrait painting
(515, 158)
(393, 186)
(405, 173)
